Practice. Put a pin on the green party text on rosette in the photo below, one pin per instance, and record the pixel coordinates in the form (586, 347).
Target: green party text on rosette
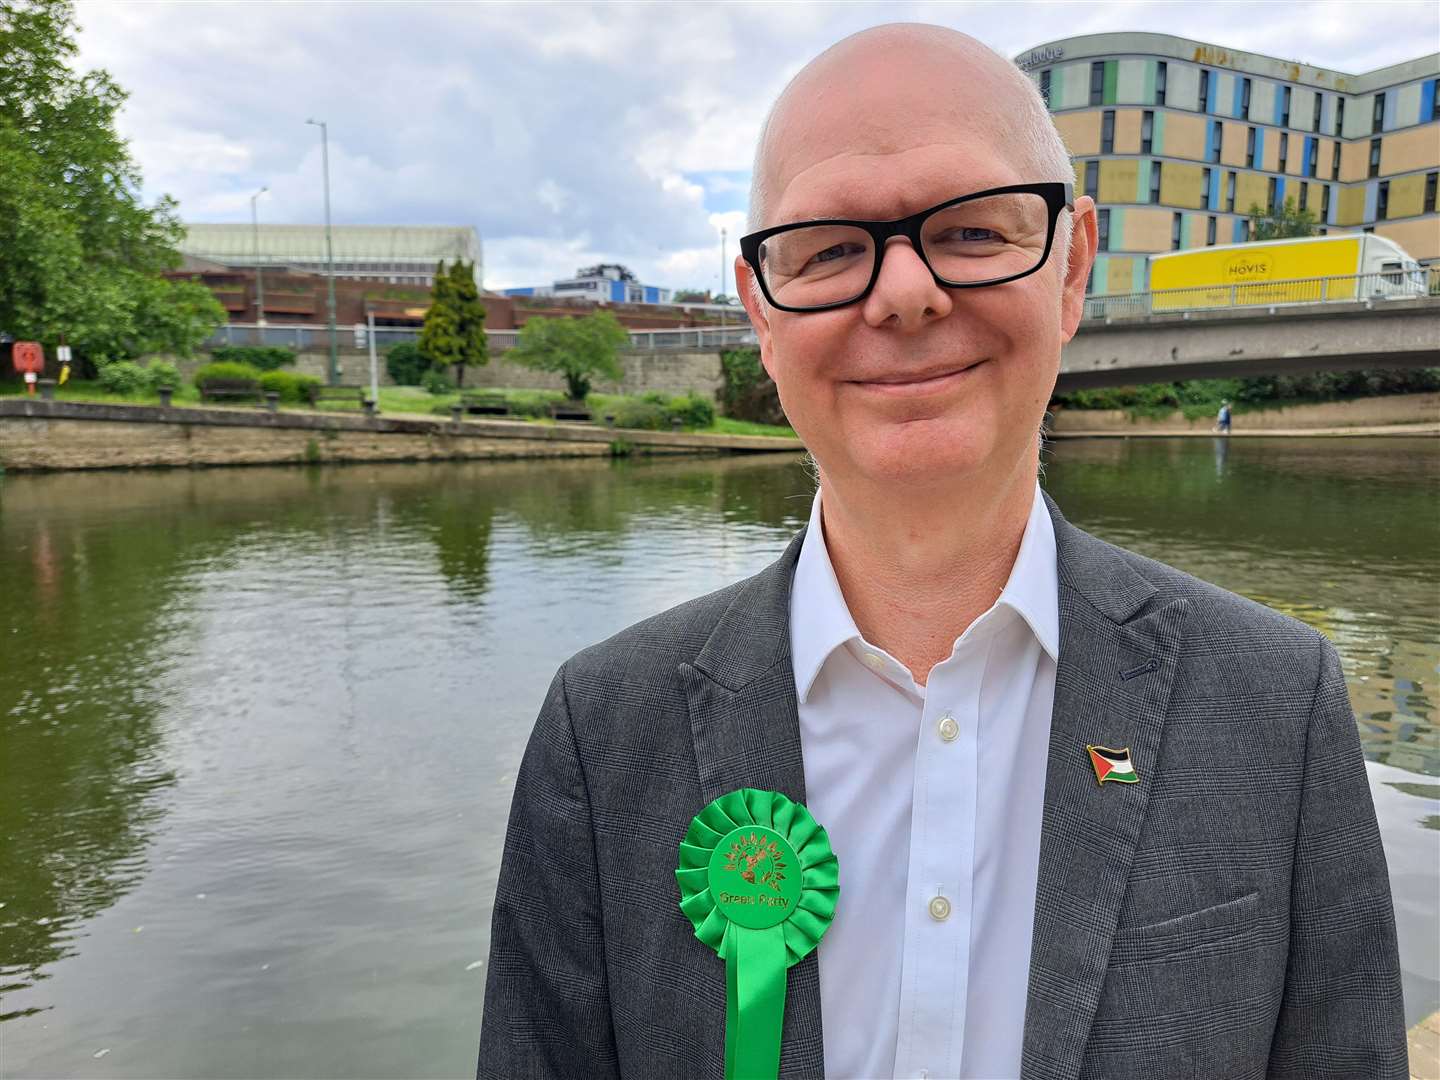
(759, 882)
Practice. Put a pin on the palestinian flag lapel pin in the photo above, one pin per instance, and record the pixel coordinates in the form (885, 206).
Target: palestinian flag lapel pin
(1112, 765)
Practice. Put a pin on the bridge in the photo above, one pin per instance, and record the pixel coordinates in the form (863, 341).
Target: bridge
(1262, 328)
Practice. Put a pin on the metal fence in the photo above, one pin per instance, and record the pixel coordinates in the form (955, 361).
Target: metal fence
(1352, 289)
(317, 338)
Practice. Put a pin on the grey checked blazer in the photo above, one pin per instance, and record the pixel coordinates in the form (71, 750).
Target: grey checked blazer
(1228, 916)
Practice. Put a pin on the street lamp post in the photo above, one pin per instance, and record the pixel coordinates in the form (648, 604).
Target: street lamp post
(722, 271)
(329, 249)
(259, 275)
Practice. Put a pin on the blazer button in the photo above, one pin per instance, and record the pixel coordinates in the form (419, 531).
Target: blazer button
(939, 909)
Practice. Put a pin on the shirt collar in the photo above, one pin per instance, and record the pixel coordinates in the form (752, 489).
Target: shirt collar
(820, 620)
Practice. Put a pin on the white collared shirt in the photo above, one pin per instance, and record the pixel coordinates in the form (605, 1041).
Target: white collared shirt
(932, 798)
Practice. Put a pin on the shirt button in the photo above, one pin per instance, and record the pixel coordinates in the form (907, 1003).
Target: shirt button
(875, 660)
(939, 909)
(949, 729)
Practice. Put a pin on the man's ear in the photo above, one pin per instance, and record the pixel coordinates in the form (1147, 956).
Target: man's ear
(755, 306)
(1084, 237)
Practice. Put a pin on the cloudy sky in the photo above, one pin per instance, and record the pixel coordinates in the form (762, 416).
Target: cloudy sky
(566, 133)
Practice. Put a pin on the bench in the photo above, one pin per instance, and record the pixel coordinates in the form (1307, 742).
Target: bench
(569, 410)
(229, 388)
(484, 402)
(318, 394)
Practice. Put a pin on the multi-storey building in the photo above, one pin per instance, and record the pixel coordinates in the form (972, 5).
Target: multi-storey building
(1177, 140)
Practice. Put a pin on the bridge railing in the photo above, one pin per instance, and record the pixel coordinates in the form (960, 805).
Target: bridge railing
(317, 338)
(1349, 289)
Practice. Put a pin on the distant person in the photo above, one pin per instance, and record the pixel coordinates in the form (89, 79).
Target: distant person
(1094, 818)
(1222, 419)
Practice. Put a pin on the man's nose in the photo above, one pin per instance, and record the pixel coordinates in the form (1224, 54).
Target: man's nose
(905, 295)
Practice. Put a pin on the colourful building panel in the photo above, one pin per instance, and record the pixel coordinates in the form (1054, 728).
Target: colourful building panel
(1127, 131)
(1130, 82)
(1118, 181)
(1148, 230)
(1407, 196)
(1349, 206)
(1080, 132)
(1406, 151)
(1185, 136)
(1120, 275)
(1232, 144)
(1183, 185)
(1251, 189)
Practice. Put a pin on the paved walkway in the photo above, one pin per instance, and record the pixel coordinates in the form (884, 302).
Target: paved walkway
(1424, 1040)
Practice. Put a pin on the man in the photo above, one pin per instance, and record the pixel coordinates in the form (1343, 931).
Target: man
(1093, 817)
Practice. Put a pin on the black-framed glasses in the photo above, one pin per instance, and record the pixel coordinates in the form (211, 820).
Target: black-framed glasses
(986, 238)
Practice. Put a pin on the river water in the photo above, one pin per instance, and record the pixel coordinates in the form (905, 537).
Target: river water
(259, 727)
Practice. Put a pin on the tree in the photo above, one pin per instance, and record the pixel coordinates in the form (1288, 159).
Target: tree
(577, 349)
(691, 296)
(84, 257)
(454, 332)
(1287, 222)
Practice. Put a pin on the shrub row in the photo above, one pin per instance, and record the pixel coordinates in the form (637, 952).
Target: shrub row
(264, 357)
(129, 378)
(658, 412)
(288, 384)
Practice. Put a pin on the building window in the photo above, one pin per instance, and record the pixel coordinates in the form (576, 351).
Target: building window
(1147, 131)
(1045, 85)
(1097, 83)
(1430, 186)
(1205, 179)
(1092, 178)
(1090, 280)
(1104, 230)
(1204, 89)
(1368, 229)
(1377, 118)
(1304, 197)
(1210, 231)
(1382, 201)
(1339, 115)
(1160, 76)
(1215, 134)
(1175, 231)
(1315, 119)
(1250, 149)
(1374, 157)
(1230, 191)
(1312, 160)
(1285, 107)
(1284, 150)
(1155, 181)
(1335, 162)
(1270, 187)
(1325, 203)
(1245, 98)
(1107, 132)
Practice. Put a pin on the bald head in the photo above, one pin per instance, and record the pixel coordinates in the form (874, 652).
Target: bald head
(890, 88)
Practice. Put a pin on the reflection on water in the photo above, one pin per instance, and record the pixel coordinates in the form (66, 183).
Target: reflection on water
(260, 726)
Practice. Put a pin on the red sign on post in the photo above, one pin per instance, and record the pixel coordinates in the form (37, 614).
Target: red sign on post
(28, 357)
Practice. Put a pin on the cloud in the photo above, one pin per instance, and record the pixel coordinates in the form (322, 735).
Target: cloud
(565, 133)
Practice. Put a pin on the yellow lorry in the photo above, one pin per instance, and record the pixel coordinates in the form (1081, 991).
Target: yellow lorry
(1309, 270)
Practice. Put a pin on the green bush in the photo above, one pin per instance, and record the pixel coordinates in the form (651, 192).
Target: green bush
(405, 364)
(694, 410)
(289, 385)
(229, 373)
(437, 382)
(645, 415)
(123, 377)
(658, 412)
(264, 357)
(161, 373)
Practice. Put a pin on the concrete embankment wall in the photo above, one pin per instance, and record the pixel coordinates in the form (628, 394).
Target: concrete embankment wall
(40, 435)
(1364, 412)
(663, 371)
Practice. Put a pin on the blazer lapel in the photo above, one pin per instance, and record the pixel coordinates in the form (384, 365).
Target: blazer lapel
(1119, 643)
(746, 732)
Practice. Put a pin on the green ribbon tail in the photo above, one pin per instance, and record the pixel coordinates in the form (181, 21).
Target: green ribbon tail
(755, 970)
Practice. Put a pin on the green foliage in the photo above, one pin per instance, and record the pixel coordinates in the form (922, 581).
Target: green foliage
(1196, 398)
(291, 386)
(748, 392)
(437, 382)
(83, 255)
(658, 412)
(227, 373)
(577, 349)
(264, 357)
(405, 363)
(454, 332)
(1288, 221)
(691, 296)
(124, 377)
(162, 373)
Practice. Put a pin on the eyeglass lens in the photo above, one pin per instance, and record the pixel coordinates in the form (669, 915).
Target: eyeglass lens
(969, 243)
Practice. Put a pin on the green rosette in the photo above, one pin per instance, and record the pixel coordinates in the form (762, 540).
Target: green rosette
(759, 882)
